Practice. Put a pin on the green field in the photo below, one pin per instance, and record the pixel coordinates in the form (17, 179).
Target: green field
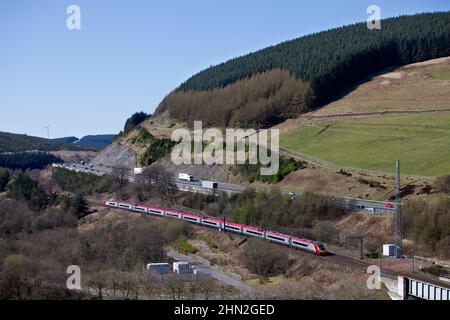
(442, 73)
(421, 142)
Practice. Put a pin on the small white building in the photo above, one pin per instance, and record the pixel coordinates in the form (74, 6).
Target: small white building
(182, 267)
(391, 250)
(203, 272)
(160, 268)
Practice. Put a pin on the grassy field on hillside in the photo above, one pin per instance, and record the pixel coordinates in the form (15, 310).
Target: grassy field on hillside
(442, 74)
(421, 86)
(421, 142)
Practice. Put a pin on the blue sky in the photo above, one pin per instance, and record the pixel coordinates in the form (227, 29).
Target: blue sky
(129, 54)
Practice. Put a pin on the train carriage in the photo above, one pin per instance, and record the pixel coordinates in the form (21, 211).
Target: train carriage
(252, 231)
(155, 211)
(192, 218)
(234, 227)
(111, 204)
(140, 209)
(308, 245)
(319, 247)
(126, 206)
(278, 237)
(302, 244)
(174, 214)
(213, 223)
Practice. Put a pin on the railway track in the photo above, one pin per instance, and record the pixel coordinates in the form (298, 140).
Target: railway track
(357, 265)
(361, 266)
(378, 207)
(354, 264)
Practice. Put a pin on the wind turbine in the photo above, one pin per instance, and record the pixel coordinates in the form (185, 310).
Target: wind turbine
(48, 131)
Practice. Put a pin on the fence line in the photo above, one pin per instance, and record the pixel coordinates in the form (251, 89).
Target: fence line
(374, 113)
(329, 165)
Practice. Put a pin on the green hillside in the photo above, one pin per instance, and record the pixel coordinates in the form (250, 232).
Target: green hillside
(67, 139)
(98, 141)
(10, 142)
(303, 73)
(420, 141)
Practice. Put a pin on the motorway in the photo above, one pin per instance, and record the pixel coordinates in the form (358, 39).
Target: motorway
(368, 206)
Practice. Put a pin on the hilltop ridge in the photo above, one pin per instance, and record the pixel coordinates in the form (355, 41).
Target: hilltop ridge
(11, 142)
(266, 87)
(401, 114)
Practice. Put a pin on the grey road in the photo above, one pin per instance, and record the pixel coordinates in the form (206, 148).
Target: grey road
(216, 273)
(369, 206)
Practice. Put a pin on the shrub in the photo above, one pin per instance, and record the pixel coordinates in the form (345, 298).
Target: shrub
(75, 205)
(5, 175)
(143, 137)
(158, 148)
(28, 160)
(134, 121)
(264, 258)
(211, 244)
(54, 218)
(81, 183)
(184, 247)
(26, 189)
(428, 222)
(198, 201)
(435, 270)
(252, 172)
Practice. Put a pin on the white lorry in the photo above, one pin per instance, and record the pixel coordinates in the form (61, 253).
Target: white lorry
(138, 170)
(209, 184)
(185, 177)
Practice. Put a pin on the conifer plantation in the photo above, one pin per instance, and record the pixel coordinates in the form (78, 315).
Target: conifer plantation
(265, 87)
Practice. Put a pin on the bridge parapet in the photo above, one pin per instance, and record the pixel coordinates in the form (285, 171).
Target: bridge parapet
(427, 291)
(404, 288)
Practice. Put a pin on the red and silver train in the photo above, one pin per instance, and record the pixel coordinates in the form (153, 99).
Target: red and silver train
(287, 240)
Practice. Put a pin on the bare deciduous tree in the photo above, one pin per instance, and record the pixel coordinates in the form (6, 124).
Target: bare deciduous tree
(121, 176)
(149, 284)
(207, 287)
(129, 285)
(146, 181)
(272, 262)
(98, 281)
(165, 186)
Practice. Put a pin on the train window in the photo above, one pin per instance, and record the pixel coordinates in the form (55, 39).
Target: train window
(319, 245)
(275, 238)
(234, 228)
(191, 219)
(300, 244)
(154, 211)
(253, 232)
(210, 223)
(173, 215)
